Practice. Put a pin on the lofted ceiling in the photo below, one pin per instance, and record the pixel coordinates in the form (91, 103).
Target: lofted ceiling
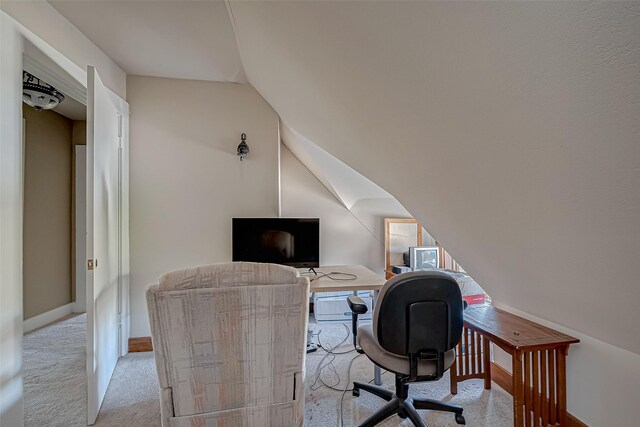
(509, 129)
(347, 185)
(176, 39)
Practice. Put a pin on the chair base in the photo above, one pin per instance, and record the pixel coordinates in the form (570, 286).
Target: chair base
(403, 405)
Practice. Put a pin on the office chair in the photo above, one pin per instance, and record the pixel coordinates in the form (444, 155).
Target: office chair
(417, 322)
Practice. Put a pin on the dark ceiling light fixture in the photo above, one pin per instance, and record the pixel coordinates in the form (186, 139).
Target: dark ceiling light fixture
(243, 148)
(38, 94)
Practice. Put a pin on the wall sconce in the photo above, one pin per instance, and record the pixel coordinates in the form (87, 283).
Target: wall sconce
(243, 148)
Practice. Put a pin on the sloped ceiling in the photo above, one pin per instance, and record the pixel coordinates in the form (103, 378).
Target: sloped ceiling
(346, 184)
(177, 39)
(365, 200)
(510, 128)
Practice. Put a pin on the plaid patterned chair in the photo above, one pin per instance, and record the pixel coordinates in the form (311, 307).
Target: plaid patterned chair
(229, 345)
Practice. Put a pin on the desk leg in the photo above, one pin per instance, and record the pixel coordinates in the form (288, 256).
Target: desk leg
(518, 390)
(377, 372)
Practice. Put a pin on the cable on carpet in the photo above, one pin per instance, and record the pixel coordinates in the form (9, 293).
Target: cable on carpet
(345, 390)
(331, 353)
(322, 365)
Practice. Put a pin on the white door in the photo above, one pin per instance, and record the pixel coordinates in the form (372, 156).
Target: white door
(107, 246)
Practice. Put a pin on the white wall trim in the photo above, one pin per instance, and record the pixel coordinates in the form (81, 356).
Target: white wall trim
(45, 318)
(68, 86)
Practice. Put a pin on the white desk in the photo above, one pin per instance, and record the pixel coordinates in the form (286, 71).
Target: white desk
(366, 280)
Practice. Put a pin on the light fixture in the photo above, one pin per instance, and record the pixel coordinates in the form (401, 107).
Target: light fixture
(243, 148)
(40, 95)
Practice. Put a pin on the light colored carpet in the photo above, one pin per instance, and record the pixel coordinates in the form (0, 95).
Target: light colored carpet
(483, 408)
(132, 397)
(55, 375)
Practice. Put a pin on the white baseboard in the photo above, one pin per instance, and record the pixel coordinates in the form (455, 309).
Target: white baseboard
(45, 318)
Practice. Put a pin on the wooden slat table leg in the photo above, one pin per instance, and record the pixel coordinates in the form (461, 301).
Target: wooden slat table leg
(553, 415)
(467, 348)
(479, 352)
(486, 358)
(538, 366)
(453, 379)
(562, 385)
(527, 388)
(544, 412)
(474, 366)
(536, 389)
(518, 389)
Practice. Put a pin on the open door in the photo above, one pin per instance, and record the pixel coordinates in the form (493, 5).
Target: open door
(107, 236)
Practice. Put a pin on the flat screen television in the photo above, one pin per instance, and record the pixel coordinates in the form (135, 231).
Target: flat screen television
(289, 241)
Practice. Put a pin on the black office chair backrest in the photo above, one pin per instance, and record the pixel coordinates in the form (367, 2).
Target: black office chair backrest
(419, 313)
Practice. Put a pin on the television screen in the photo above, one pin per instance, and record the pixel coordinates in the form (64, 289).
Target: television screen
(289, 241)
(424, 257)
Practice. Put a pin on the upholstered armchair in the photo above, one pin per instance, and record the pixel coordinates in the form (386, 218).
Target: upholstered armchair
(229, 345)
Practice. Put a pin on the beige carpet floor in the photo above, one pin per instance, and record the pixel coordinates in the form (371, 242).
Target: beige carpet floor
(55, 386)
(55, 376)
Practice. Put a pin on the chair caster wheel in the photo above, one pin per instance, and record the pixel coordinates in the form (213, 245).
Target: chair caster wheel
(460, 419)
(356, 392)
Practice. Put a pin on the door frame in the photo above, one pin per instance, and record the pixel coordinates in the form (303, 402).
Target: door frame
(39, 57)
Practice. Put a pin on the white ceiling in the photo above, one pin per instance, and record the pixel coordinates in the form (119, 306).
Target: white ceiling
(177, 39)
(72, 109)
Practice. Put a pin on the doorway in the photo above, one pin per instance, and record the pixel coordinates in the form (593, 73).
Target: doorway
(107, 231)
(54, 294)
(53, 228)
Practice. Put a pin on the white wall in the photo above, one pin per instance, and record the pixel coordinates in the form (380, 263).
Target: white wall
(185, 177)
(47, 211)
(510, 129)
(13, 41)
(11, 193)
(347, 236)
(363, 200)
(49, 25)
(343, 239)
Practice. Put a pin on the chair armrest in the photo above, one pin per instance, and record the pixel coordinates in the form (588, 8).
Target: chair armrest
(356, 305)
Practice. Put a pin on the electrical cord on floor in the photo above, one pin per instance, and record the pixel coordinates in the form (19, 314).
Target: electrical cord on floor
(331, 355)
(345, 390)
(330, 350)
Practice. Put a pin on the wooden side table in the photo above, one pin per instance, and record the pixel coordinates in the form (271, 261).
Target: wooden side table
(538, 363)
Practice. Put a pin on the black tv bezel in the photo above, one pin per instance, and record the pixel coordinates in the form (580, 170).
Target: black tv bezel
(300, 264)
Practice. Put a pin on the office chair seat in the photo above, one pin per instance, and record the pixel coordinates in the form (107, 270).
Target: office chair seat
(393, 362)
